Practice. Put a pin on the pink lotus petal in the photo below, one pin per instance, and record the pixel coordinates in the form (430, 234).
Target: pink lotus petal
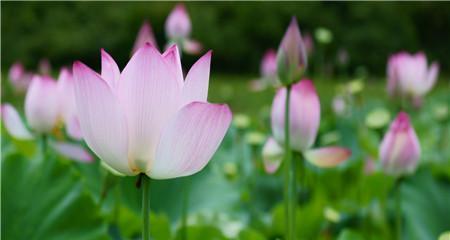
(13, 123)
(400, 147)
(42, 105)
(431, 77)
(197, 80)
(190, 139)
(101, 119)
(110, 70)
(272, 156)
(172, 56)
(269, 64)
(191, 46)
(327, 156)
(150, 95)
(178, 24)
(144, 36)
(304, 115)
(19, 78)
(73, 128)
(72, 151)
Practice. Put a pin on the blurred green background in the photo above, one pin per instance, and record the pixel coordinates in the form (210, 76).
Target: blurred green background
(238, 32)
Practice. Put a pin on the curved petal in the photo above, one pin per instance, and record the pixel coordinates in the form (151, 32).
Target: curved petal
(144, 36)
(72, 151)
(73, 128)
(197, 80)
(272, 156)
(110, 70)
(42, 106)
(13, 123)
(150, 95)
(189, 141)
(102, 123)
(172, 56)
(327, 156)
(431, 77)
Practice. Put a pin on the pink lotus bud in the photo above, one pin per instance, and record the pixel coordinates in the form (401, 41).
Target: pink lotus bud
(42, 104)
(144, 36)
(269, 64)
(178, 24)
(18, 77)
(291, 56)
(400, 148)
(153, 120)
(409, 75)
(304, 115)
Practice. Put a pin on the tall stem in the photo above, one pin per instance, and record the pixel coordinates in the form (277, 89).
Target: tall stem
(398, 209)
(288, 195)
(145, 207)
(184, 212)
(44, 146)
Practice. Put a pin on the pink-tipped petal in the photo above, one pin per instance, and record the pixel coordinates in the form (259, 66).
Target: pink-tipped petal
(272, 156)
(42, 105)
(101, 119)
(150, 95)
(400, 147)
(197, 80)
(73, 128)
(178, 24)
(72, 151)
(431, 77)
(269, 64)
(190, 139)
(144, 36)
(172, 56)
(110, 70)
(67, 101)
(327, 156)
(304, 115)
(191, 46)
(13, 123)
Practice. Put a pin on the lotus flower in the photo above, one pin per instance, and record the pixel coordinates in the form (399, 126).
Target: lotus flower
(400, 147)
(304, 123)
(19, 78)
(291, 56)
(409, 75)
(144, 36)
(147, 118)
(178, 30)
(268, 71)
(15, 127)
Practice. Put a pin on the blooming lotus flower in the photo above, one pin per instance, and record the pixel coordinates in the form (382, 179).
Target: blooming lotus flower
(291, 56)
(409, 75)
(18, 77)
(400, 148)
(147, 118)
(15, 127)
(304, 109)
(144, 36)
(178, 30)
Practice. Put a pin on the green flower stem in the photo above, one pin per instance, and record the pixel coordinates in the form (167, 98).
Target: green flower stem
(398, 208)
(288, 174)
(145, 207)
(44, 146)
(184, 210)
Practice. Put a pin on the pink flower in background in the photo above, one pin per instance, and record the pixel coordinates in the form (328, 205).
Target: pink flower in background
(269, 64)
(19, 78)
(304, 124)
(400, 148)
(178, 30)
(339, 105)
(409, 75)
(272, 155)
(308, 41)
(291, 56)
(148, 118)
(145, 35)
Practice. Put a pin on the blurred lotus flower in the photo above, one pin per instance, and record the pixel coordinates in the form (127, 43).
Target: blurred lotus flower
(272, 155)
(268, 71)
(148, 118)
(400, 148)
(18, 77)
(16, 128)
(304, 123)
(309, 43)
(339, 105)
(291, 56)
(178, 30)
(45, 67)
(144, 36)
(409, 75)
